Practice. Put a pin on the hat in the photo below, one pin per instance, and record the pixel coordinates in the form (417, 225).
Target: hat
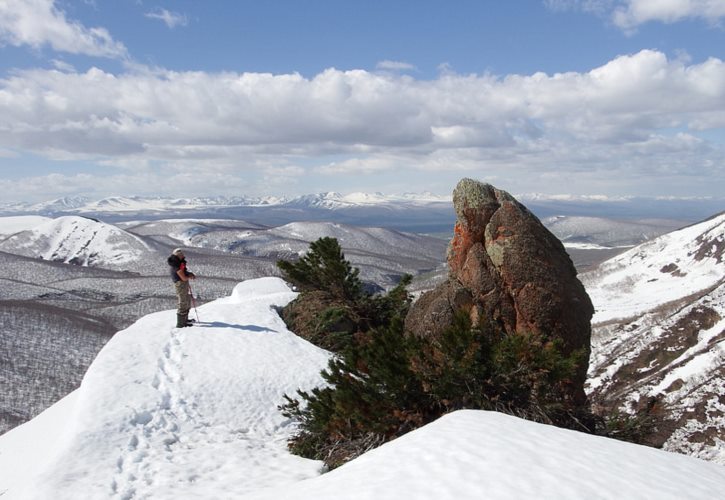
(177, 251)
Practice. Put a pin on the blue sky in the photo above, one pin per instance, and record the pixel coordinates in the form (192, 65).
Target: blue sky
(189, 98)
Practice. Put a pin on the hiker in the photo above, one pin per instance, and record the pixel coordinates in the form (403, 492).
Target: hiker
(181, 276)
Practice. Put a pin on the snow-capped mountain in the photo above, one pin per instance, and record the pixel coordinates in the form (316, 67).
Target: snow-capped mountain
(168, 413)
(68, 203)
(77, 240)
(365, 205)
(59, 205)
(156, 204)
(336, 201)
(139, 204)
(659, 332)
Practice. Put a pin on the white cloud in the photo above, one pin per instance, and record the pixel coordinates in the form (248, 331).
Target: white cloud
(361, 165)
(171, 19)
(630, 14)
(105, 183)
(625, 118)
(633, 13)
(61, 65)
(395, 66)
(39, 23)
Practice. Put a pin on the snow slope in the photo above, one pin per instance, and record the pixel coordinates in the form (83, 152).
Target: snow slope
(192, 413)
(77, 240)
(177, 413)
(658, 272)
(485, 455)
(658, 337)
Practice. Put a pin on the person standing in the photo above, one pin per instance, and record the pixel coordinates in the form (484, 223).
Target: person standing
(181, 276)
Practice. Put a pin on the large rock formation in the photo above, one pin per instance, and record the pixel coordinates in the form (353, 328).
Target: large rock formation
(508, 269)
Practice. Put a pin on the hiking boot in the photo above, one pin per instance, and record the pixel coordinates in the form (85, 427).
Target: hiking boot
(182, 320)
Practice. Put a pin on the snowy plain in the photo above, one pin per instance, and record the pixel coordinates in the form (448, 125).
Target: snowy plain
(192, 413)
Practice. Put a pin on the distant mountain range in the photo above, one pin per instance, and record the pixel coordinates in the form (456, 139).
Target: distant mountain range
(121, 204)
(683, 209)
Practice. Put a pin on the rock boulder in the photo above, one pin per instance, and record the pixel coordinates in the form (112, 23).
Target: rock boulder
(506, 267)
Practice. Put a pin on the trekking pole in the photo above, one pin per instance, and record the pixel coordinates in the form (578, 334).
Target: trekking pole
(193, 303)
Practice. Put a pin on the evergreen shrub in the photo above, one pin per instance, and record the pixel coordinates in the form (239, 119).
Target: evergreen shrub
(334, 305)
(389, 383)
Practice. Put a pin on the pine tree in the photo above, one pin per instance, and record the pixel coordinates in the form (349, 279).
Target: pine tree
(324, 268)
(333, 305)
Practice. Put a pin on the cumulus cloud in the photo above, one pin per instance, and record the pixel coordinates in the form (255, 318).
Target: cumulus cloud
(171, 19)
(39, 23)
(634, 115)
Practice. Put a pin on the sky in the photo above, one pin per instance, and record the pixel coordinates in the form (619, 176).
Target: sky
(281, 98)
(187, 413)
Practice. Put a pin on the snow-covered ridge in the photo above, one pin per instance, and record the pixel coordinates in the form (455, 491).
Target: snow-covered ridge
(177, 413)
(77, 240)
(168, 413)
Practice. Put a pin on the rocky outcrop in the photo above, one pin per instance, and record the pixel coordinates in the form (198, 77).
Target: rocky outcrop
(506, 268)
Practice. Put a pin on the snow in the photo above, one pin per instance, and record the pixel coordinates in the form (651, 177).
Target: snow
(700, 364)
(155, 204)
(591, 246)
(16, 224)
(77, 239)
(656, 273)
(173, 413)
(475, 454)
(192, 413)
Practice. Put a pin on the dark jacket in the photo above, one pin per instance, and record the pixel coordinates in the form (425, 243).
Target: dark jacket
(175, 263)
